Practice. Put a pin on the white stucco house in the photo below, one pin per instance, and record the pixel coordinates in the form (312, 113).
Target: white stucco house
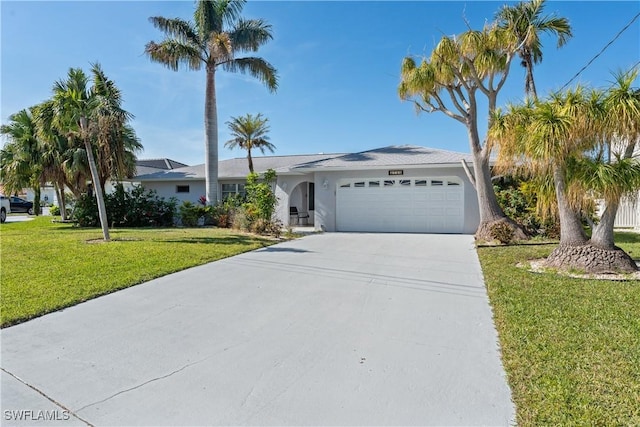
(392, 189)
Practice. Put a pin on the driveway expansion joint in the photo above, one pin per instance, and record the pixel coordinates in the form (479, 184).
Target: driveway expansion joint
(49, 398)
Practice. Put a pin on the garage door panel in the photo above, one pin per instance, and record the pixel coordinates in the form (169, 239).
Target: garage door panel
(401, 208)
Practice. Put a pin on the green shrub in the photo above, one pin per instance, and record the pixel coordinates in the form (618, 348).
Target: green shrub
(54, 210)
(190, 213)
(241, 220)
(135, 208)
(518, 201)
(222, 215)
(261, 200)
(261, 204)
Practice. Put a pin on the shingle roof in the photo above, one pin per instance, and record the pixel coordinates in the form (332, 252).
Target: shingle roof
(234, 168)
(394, 155)
(160, 163)
(149, 166)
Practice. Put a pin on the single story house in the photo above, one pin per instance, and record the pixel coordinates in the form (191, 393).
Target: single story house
(392, 189)
(48, 194)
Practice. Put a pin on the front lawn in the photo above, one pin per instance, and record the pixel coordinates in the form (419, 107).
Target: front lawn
(47, 266)
(571, 347)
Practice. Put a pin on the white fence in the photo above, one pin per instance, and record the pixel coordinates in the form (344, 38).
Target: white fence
(628, 214)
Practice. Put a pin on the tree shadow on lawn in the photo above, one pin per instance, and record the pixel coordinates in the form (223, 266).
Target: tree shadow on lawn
(229, 240)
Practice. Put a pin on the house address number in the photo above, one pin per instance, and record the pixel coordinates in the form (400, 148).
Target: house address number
(396, 172)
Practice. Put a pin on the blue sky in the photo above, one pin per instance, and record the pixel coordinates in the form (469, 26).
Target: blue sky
(338, 64)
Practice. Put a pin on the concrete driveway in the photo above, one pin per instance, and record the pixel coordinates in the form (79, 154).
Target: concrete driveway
(331, 329)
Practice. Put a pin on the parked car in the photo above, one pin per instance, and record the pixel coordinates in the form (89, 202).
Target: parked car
(5, 208)
(21, 205)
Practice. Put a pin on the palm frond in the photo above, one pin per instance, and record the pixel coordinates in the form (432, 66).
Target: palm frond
(256, 67)
(212, 15)
(249, 34)
(172, 53)
(177, 29)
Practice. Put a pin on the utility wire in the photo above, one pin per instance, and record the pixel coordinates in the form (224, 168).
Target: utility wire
(603, 49)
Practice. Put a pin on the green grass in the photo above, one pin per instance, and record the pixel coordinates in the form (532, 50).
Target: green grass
(571, 347)
(47, 266)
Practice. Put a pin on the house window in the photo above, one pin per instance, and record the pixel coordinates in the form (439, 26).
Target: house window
(345, 185)
(358, 184)
(421, 182)
(453, 183)
(405, 182)
(182, 188)
(232, 190)
(389, 182)
(374, 183)
(436, 183)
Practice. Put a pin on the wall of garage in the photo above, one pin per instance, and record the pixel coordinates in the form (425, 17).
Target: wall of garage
(327, 182)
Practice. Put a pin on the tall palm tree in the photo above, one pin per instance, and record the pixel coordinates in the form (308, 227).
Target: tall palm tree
(527, 22)
(250, 132)
(89, 113)
(20, 157)
(459, 70)
(214, 40)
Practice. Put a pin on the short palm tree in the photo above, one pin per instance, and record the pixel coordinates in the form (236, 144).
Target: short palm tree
(214, 40)
(619, 175)
(250, 132)
(526, 21)
(555, 139)
(20, 157)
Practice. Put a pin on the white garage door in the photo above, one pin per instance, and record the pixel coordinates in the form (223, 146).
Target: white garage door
(413, 205)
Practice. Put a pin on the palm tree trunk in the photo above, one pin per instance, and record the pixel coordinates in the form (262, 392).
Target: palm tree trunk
(530, 85)
(250, 160)
(490, 210)
(602, 235)
(61, 200)
(97, 186)
(211, 138)
(571, 230)
(36, 199)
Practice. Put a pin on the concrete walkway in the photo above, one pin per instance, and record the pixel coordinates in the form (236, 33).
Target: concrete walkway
(330, 329)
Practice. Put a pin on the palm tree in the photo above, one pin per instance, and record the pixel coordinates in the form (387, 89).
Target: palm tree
(216, 37)
(449, 81)
(554, 139)
(526, 21)
(20, 157)
(92, 114)
(615, 173)
(249, 132)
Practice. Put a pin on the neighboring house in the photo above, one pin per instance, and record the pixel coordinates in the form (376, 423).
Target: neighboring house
(628, 214)
(392, 189)
(143, 166)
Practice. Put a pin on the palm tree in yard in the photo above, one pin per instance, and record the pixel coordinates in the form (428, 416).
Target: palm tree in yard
(91, 114)
(527, 22)
(20, 157)
(461, 72)
(215, 39)
(249, 132)
(556, 138)
(614, 172)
